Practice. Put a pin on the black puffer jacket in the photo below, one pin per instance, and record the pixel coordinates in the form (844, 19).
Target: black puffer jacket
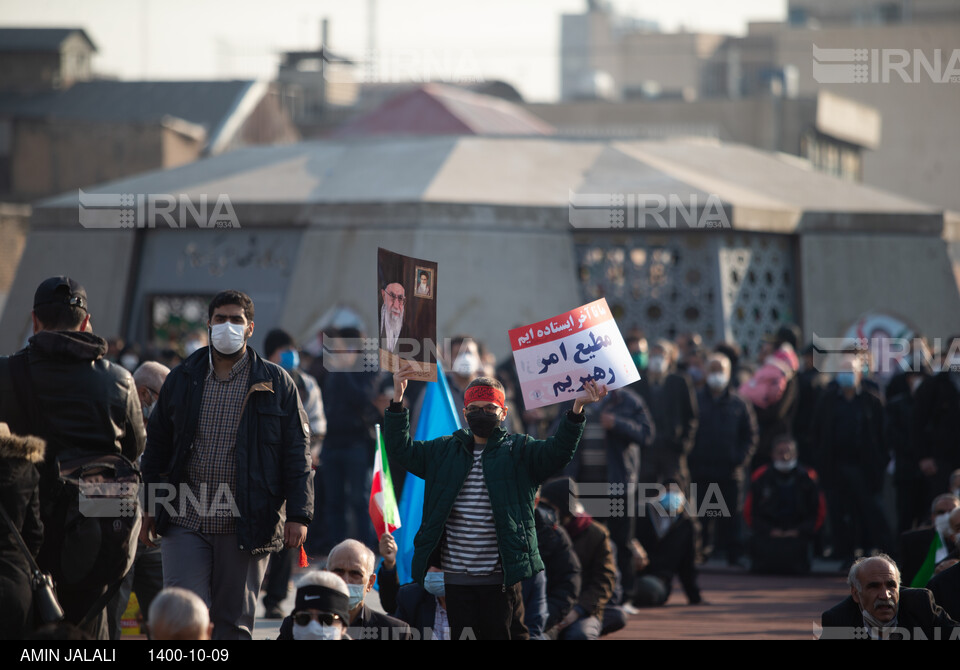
(19, 497)
(84, 404)
(272, 449)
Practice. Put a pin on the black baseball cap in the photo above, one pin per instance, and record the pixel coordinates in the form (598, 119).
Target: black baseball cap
(60, 290)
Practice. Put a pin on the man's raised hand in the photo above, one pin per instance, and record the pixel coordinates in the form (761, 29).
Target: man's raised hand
(404, 373)
(594, 391)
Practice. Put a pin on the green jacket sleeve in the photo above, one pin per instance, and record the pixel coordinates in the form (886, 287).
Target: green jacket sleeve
(545, 458)
(400, 448)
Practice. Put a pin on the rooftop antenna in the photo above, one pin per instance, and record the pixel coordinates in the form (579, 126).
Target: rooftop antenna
(371, 61)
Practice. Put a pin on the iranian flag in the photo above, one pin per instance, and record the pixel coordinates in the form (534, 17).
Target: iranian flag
(383, 503)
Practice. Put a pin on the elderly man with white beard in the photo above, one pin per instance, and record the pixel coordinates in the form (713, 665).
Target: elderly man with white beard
(879, 608)
(391, 316)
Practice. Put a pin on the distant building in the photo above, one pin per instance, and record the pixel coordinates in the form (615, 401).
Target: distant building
(324, 96)
(36, 59)
(317, 89)
(830, 131)
(95, 131)
(870, 12)
(910, 58)
(14, 227)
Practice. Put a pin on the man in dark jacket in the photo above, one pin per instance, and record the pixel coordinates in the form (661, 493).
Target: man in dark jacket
(726, 438)
(563, 570)
(672, 403)
(668, 535)
(811, 384)
(945, 588)
(616, 431)
(877, 608)
(79, 403)
(852, 457)
(423, 611)
(784, 509)
(937, 426)
(913, 488)
(347, 457)
(230, 439)
(921, 549)
(478, 523)
(598, 567)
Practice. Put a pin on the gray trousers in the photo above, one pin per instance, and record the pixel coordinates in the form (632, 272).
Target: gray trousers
(227, 579)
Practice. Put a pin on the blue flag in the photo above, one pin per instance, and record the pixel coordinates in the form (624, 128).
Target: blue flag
(438, 417)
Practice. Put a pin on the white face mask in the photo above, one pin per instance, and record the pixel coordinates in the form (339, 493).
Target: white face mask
(718, 380)
(227, 338)
(316, 631)
(785, 466)
(657, 364)
(466, 363)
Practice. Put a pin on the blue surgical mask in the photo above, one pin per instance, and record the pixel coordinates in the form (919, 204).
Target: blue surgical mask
(846, 380)
(434, 584)
(672, 502)
(290, 360)
(357, 592)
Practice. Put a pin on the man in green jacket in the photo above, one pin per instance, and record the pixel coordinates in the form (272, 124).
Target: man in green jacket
(478, 516)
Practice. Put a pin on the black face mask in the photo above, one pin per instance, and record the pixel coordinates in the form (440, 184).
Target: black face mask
(482, 424)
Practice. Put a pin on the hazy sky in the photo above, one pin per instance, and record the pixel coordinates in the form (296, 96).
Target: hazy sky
(514, 40)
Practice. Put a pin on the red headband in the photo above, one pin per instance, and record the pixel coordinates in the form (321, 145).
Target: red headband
(484, 393)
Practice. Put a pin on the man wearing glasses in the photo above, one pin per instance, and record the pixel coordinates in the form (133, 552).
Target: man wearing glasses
(321, 610)
(391, 316)
(353, 563)
(478, 520)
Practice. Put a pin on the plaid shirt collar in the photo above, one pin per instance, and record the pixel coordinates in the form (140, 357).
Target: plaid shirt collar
(237, 368)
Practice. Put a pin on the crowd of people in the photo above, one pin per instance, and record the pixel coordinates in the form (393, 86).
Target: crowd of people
(763, 462)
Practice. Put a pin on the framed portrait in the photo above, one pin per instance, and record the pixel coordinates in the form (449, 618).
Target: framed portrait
(423, 286)
(408, 326)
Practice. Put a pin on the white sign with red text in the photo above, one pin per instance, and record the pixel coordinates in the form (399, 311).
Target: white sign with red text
(555, 357)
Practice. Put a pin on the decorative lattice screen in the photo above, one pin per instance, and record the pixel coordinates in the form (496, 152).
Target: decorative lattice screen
(730, 285)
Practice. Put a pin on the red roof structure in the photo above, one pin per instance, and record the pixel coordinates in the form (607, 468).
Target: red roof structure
(439, 109)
